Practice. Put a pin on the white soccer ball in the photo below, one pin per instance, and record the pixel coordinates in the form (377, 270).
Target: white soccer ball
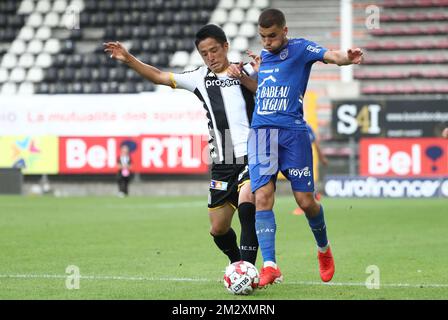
(241, 277)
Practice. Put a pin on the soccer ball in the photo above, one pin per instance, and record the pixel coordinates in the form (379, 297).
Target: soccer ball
(241, 277)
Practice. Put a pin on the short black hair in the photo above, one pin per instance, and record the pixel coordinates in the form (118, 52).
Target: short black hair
(210, 31)
(271, 17)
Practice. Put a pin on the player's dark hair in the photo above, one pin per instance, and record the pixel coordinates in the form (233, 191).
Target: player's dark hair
(210, 31)
(271, 17)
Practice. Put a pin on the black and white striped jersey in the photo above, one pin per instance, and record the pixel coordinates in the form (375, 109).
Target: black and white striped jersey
(229, 107)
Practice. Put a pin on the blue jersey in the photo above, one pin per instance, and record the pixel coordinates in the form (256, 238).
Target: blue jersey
(282, 81)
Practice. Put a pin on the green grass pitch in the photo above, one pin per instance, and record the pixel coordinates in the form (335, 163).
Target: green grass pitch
(160, 248)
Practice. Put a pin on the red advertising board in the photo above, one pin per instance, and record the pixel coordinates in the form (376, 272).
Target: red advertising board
(424, 157)
(149, 154)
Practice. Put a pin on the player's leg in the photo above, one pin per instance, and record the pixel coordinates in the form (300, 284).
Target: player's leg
(263, 167)
(222, 203)
(246, 214)
(314, 212)
(266, 231)
(126, 185)
(120, 185)
(220, 229)
(298, 169)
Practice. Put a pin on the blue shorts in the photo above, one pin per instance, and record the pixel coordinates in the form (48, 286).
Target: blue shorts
(273, 150)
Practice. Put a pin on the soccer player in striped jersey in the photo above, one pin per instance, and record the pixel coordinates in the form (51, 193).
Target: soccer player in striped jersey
(229, 107)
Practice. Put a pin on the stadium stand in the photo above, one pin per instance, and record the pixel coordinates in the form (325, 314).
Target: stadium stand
(55, 46)
(409, 47)
(40, 54)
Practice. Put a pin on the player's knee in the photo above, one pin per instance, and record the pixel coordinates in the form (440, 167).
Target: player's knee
(308, 204)
(218, 230)
(264, 201)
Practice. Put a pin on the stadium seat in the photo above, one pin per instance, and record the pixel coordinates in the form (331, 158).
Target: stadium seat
(219, 16)
(180, 59)
(25, 88)
(52, 46)
(226, 4)
(243, 4)
(231, 30)
(4, 75)
(43, 33)
(51, 20)
(195, 59)
(18, 47)
(235, 56)
(26, 7)
(240, 44)
(43, 60)
(78, 4)
(26, 61)
(35, 75)
(35, 20)
(59, 6)
(261, 4)
(252, 15)
(145, 86)
(247, 30)
(9, 88)
(35, 46)
(236, 15)
(17, 75)
(9, 61)
(43, 6)
(26, 34)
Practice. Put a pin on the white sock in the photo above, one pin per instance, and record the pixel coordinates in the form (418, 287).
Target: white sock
(323, 249)
(270, 264)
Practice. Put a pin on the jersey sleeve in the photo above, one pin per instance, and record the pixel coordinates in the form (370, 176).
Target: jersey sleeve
(249, 70)
(187, 80)
(313, 52)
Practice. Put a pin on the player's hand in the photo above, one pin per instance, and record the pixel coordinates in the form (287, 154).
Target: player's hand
(445, 133)
(355, 55)
(324, 161)
(116, 51)
(256, 60)
(235, 70)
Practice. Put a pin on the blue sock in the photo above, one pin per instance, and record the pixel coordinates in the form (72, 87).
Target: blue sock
(319, 229)
(266, 228)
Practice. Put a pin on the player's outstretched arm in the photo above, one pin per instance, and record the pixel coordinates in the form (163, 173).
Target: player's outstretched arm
(117, 51)
(341, 58)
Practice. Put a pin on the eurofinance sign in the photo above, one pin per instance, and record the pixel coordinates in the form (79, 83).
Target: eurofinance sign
(370, 187)
(396, 168)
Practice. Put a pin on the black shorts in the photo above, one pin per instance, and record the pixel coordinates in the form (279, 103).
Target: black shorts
(225, 184)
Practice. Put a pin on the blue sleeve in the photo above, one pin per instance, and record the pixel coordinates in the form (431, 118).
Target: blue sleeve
(313, 52)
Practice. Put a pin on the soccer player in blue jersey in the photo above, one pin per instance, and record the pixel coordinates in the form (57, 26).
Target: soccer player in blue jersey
(279, 138)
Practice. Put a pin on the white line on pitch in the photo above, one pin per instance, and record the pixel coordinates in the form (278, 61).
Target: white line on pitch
(301, 283)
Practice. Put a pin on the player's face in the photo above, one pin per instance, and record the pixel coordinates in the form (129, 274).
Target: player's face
(273, 38)
(214, 54)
